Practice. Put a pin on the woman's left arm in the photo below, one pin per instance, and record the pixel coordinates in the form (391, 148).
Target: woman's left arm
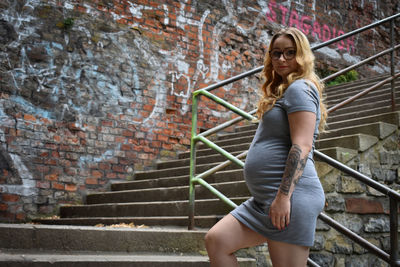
(302, 126)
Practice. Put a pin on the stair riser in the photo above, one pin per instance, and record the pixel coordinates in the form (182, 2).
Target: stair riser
(379, 130)
(238, 135)
(51, 263)
(180, 171)
(368, 104)
(349, 90)
(182, 221)
(391, 118)
(199, 160)
(225, 176)
(362, 113)
(358, 142)
(168, 194)
(179, 208)
(68, 238)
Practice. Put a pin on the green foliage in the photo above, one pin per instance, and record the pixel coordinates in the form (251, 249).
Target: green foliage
(344, 78)
(66, 23)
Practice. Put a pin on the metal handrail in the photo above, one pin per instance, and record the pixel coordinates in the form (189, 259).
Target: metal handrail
(393, 195)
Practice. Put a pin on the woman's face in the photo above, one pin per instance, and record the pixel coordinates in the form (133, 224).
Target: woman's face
(283, 56)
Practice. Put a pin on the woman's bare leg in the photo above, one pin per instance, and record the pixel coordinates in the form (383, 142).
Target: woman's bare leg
(287, 255)
(228, 236)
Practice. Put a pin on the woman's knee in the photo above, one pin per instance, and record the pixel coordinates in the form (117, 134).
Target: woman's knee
(212, 239)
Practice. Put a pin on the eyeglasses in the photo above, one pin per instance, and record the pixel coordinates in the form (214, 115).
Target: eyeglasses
(288, 53)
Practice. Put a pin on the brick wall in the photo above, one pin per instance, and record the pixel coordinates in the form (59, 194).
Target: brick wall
(92, 91)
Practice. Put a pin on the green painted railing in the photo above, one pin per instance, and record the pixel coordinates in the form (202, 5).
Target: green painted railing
(195, 137)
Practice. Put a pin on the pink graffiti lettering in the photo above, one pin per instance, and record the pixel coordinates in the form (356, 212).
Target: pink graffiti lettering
(307, 25)
(284, 11)
(271, 15)
(317, 30)
(326, 33)
(294, 19)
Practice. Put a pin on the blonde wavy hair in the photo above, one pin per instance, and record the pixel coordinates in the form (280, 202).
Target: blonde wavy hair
(273, 87)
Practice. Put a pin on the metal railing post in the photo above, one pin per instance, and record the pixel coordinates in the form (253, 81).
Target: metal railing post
(394, 226)
(392, 64)
(193, 141)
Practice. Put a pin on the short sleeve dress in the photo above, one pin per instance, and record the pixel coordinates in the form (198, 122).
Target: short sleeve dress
(265, 164)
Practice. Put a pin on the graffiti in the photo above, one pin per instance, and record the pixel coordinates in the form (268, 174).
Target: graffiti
(115, 70)
(307, 25)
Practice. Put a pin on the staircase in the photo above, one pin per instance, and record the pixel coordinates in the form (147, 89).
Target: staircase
(159, 198)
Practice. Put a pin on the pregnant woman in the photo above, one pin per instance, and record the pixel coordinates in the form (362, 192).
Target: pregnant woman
(287, 195)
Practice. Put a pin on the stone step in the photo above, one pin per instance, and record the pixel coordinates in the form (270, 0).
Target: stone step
(178, 171)
(378, 129)
(88, 238)
(392, 117)
(349, 91)
(364, 104)
(151, 209)
(251, 132)
(221, 176)
(358, 114)
(339, 153)
(230, 189)
(209, 151)
(359, 142)
(364, 81)
(55, 245)
(57, 259)
(186, 161)
(206, 221)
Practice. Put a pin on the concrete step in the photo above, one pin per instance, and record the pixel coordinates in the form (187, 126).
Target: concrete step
(251, 132)
(378, 129)
(231, 189)
(348, 91)
(359, 142)
(184, 170)
(63, 259)
(229, 142)
(391, 117)
(339, 153)
(186, 161)
(209, 151)
(88, 238)
(364, 81)
(55, 245)
(345, 93)
(151, 209)
(159, 221)
(364, 104)
(358, 114)
(221, 176)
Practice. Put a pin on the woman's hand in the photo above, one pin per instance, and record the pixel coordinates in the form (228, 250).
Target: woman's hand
(279, 211)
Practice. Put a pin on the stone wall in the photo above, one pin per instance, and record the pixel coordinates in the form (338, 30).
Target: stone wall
(358, 207)
(92, 91)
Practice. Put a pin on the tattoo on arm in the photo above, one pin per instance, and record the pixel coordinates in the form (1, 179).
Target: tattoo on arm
(293, 170)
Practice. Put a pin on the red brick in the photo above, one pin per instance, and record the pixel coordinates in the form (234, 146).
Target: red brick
(97, 174)
(70, 187)
(41, 184)
(363, 206)
(91, 181)
(29, 117)
(57, 186)
(118, 168)
(10, 198)
(20, 216)
(51, 177)
(3, 207)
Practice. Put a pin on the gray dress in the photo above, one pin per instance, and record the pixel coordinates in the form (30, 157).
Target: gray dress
(265, 164)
